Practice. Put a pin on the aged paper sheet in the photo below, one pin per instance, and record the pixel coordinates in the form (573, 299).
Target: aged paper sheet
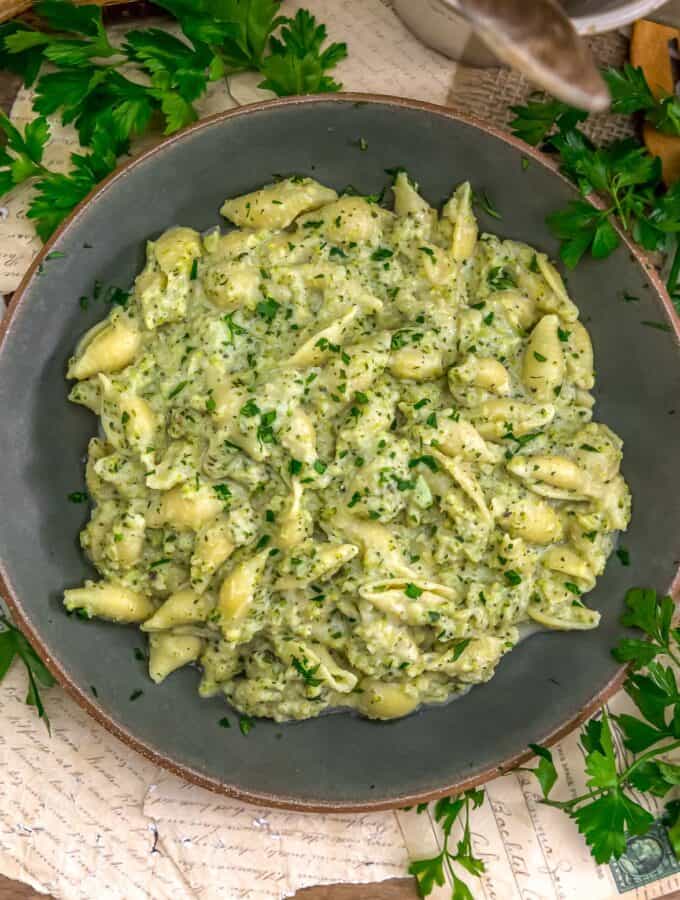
(82, 816)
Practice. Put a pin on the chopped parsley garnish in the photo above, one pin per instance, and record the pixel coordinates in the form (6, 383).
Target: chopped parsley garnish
(135, 695)
(118, 297)
(513, 578)
(623, 555)
(295, 467)
(573, 588)
(660, 326)
(250, 409)
(222, 491)
(177, 389)
(194, 270)
(563, 335)
(245, 723)
(78, 497)
(431, 420)
(234, 327)
(160, 562)
(306, 673)
(499, 279)
(412, 591)
(458, 647)
(426, 460)
(486, 204)
(224, 722)
(381, 253)
(539, 357)
(356, 496)
(265, 432)
(267, 309)
(320, 466)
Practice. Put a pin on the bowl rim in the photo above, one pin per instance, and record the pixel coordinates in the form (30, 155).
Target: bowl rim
(88, 703)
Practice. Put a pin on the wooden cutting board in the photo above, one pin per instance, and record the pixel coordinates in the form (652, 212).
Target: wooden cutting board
(650, 49)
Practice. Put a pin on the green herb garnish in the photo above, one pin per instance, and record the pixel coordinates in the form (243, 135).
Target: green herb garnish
(13, 645)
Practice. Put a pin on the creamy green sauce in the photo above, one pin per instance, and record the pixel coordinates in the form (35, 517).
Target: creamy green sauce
(345, 453)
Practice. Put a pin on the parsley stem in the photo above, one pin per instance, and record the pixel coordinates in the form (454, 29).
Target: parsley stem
(566, 805)
(650, 754)
(622, 779)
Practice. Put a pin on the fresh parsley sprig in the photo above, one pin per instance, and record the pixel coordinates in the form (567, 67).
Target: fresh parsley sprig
(56, 193)
(297, 64)
(623, 174)
(630, 94)
(14, 645)
(164, 77)
(607, 813)
(21, 158)
(432, 872)
(236, 31)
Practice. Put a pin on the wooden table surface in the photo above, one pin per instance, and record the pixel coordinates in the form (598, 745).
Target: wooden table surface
(395, 889)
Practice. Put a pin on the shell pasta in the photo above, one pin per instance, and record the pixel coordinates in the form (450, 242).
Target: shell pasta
(346, 453)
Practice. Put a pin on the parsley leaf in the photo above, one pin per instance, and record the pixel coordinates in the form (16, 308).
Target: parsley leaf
(626, 176)
(430, 873)
(499, 279)
(21, 158)
(607, 814)
(26, 57)
(57, 194)
(107, 108)
(534, 121)
(305, 672)
(297, 64)
(14, 645)
(630, 94)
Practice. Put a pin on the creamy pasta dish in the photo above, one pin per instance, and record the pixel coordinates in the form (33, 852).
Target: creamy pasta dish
(346, 454)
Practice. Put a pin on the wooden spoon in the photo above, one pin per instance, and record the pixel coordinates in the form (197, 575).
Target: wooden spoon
(537, 37)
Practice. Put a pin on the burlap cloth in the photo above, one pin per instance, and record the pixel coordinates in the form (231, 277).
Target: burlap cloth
(83, 817)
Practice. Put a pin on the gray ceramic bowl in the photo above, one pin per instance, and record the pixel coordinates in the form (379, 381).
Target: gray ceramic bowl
(338, 762)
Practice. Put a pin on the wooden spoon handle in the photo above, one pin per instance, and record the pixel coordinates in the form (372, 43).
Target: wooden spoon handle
(538, 38)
